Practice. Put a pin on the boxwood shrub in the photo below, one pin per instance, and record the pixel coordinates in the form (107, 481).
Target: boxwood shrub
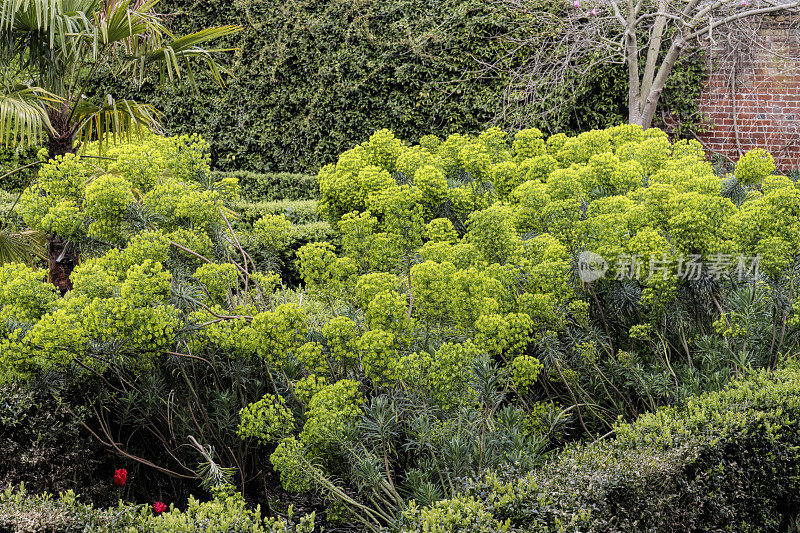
(274, 186)
(226, 512)
(297, 211)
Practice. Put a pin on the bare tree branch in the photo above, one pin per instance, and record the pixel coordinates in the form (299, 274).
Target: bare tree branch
(565, 44)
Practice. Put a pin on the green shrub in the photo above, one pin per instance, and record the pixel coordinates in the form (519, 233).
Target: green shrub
(14, 220)
(297, 211)
(273, 231)
(162, 177)
(23, 512)
(442, 333)
(754, 166)
(313, 79)
(726, 461)
(226, 512)
(272, 187)
(11, 160)
(283, 258)
(266, 420)
(313, 232)
(44, 446)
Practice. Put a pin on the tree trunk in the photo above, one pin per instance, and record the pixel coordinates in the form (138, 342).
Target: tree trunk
(634, 117)
(648, 110)
(60, 146)
(63, 256)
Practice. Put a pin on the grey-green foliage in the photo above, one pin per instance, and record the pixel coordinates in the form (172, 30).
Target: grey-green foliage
(401, 448)
(726, 461)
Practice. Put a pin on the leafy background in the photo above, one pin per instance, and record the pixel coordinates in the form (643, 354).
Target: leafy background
(314, 78)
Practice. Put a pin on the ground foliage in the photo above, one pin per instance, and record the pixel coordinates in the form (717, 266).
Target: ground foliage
(440, 331)
(225, 512)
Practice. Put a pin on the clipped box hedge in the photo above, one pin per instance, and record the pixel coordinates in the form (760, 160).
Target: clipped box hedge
(727, 461)
(270, 187)
(297, 211)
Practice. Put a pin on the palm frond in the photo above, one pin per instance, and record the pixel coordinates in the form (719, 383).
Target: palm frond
(60, 44)
(126, 22)
(23, 116)
(188, 47)
(40, 13)
(46, 22)
(117, 119)
(24, 247)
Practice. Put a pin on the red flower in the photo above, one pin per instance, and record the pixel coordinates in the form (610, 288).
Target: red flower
(120, 476)
(159, 507)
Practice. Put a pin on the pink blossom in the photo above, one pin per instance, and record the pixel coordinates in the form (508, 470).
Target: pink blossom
(593, 12)
(576, 3)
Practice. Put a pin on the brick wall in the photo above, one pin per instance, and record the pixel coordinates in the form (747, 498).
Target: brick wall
(753, 94)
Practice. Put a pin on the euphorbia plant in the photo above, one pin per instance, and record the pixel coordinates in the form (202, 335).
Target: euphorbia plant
(50, 53)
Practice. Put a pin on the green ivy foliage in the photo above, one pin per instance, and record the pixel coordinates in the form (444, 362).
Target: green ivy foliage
(312, 79)
(14, 180)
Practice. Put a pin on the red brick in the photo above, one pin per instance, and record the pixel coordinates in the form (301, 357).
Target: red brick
(767, 97)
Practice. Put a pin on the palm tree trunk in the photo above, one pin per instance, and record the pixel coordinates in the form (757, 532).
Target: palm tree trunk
(60, 145)
(63, 256)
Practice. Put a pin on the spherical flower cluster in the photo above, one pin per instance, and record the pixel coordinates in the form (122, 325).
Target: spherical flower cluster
(525, 371)
(267, 420)
(329, 411)
(107, 199)
(754, 166)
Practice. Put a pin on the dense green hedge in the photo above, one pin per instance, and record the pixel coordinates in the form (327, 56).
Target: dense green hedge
(307, 226)
(727, 461)
(270, 194)
(272, 187)
(297, 211)
(315, 78)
